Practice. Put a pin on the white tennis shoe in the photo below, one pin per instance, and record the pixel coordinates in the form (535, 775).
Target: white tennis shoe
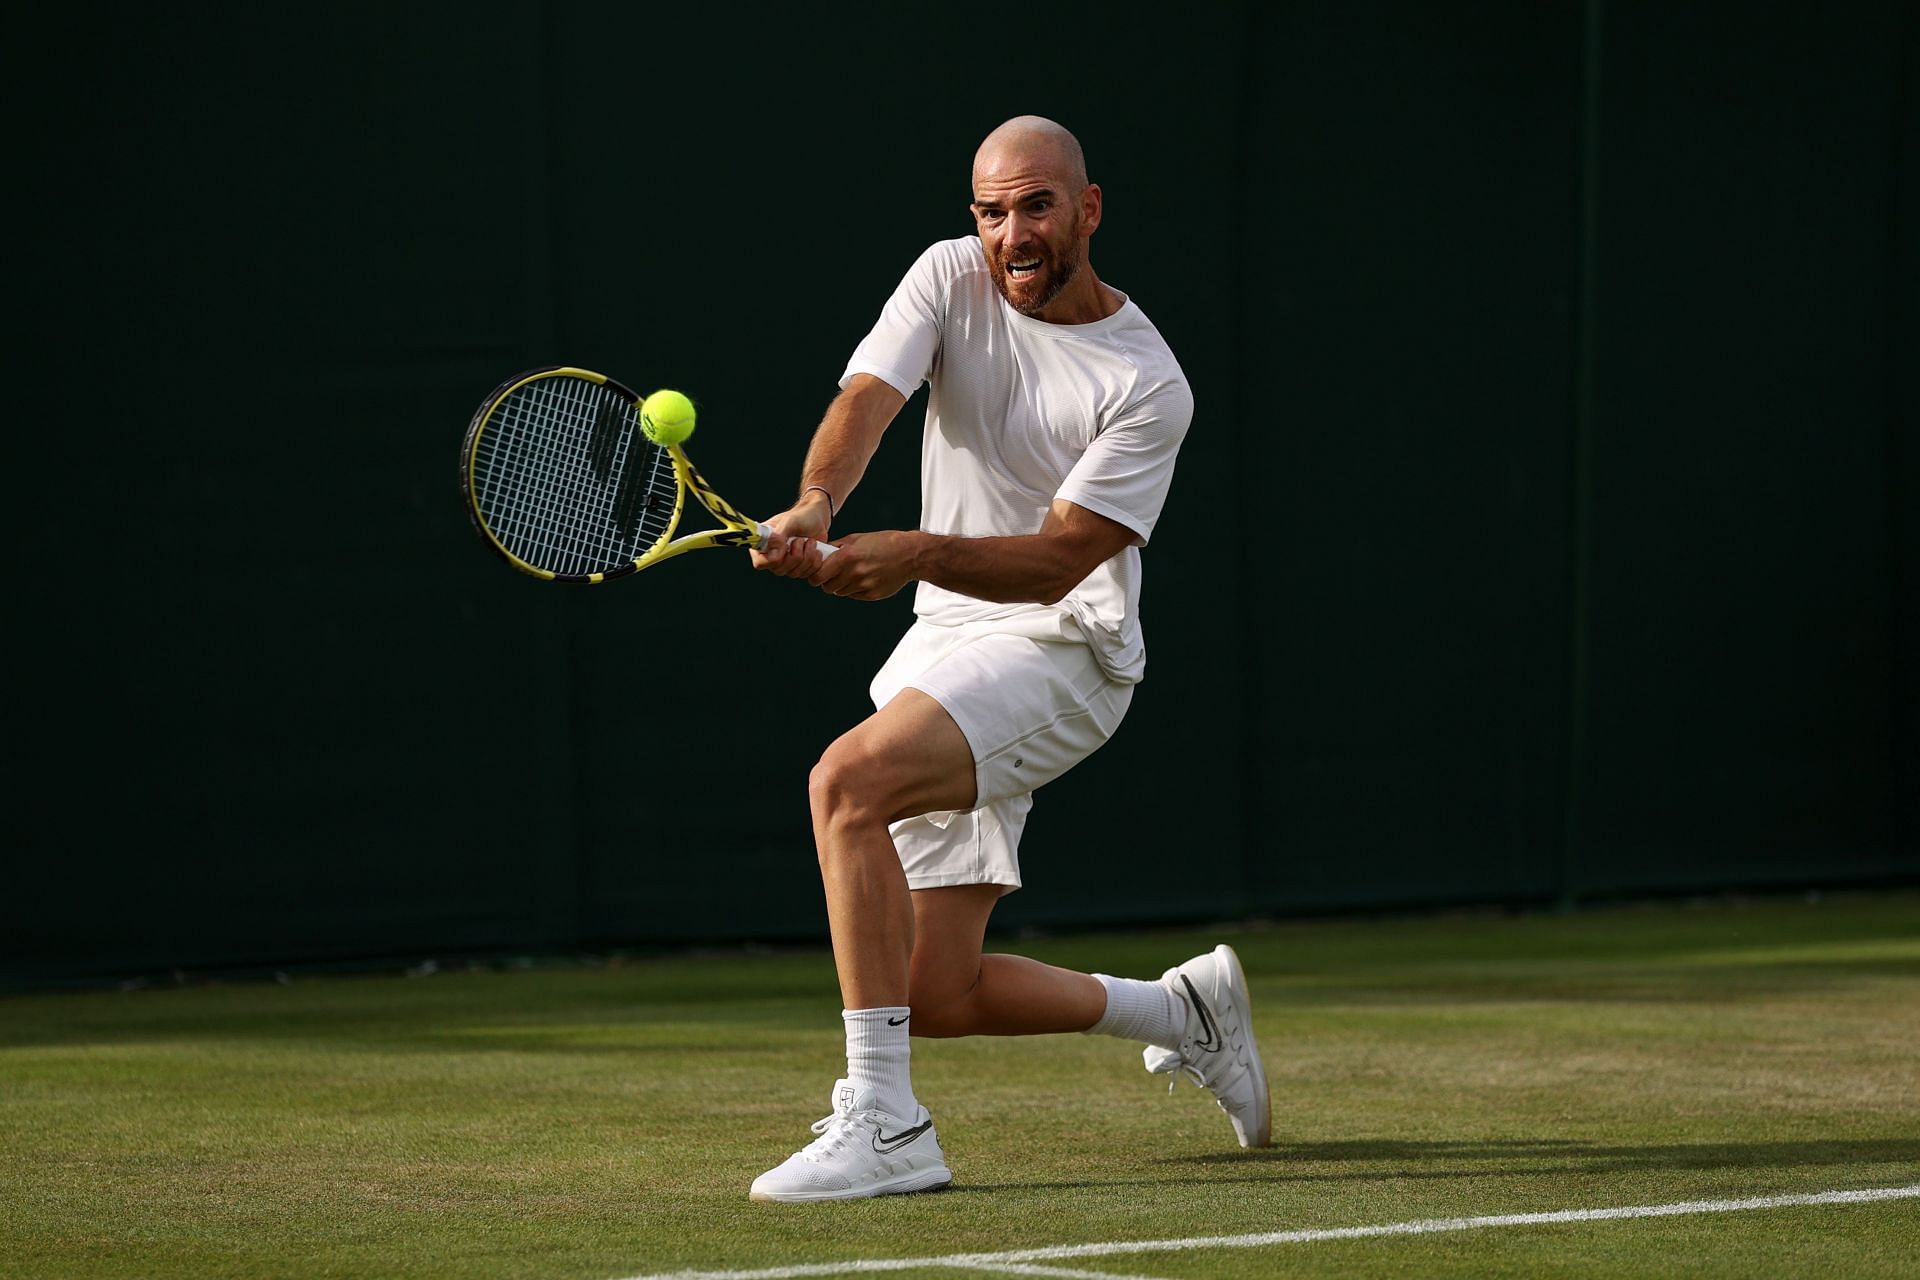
(860, 1151)
(1218, 1052)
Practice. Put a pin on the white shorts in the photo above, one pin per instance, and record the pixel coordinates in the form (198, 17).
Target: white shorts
(1032, 701)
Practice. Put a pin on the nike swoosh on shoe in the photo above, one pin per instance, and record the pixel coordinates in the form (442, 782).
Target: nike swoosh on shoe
(1209, 1037)
(886, 1145)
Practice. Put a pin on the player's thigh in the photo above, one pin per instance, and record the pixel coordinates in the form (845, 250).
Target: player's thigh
(1030, 710)
(906, 759)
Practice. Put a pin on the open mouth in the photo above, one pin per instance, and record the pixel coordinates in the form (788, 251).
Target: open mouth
(1023, 269)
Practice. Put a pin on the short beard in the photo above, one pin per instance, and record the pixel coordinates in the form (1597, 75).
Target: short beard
(1064, 270)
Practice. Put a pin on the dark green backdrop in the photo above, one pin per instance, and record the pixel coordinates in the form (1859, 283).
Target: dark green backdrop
(1545, 531)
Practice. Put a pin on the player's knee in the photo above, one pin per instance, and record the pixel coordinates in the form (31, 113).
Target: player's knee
(840, 788)
(942, 1002)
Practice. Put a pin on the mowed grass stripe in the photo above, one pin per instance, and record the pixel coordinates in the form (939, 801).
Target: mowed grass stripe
(1263, 1239)
(569, 1122)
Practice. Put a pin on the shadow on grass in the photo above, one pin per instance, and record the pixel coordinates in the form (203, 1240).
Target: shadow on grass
(1522, 1157)
(1533, 1155)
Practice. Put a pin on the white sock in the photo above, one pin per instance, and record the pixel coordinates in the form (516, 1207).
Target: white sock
(877, 1051)
(1140, 1010)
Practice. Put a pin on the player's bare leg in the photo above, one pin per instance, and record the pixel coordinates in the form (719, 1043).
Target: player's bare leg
(1194, 1020)
(907, 759)
(915, 958)
(957, 991)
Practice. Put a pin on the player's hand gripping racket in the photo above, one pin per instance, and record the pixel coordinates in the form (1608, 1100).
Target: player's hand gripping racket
(560, 477)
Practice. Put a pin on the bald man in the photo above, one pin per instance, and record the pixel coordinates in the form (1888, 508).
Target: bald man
(1055, 414)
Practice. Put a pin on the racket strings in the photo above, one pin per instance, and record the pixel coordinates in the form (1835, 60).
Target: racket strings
(566, 480)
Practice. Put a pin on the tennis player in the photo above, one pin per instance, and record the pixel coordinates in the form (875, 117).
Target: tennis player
(1054, 418)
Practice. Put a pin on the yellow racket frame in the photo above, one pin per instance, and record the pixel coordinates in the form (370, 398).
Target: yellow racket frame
(736, 531)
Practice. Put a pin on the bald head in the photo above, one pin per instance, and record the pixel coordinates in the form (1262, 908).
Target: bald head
(1035, 211)
(1032, 144)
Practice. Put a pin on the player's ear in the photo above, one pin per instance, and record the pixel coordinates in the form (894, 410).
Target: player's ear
(1090, 209)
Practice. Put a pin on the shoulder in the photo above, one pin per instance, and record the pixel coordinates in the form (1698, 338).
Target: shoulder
(950, 283)
(962, 255)
(949, 261)
(1138, 335)
(1157, 372)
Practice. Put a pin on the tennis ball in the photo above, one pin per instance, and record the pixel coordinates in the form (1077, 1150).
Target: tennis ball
(666, 417)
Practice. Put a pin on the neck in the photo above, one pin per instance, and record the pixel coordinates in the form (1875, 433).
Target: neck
(1081, 302)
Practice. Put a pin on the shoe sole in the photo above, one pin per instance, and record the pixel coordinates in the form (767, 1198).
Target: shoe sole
(1237, 988)
(925, 1180)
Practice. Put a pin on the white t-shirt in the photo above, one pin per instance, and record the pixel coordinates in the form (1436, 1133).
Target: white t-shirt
(1023, 412)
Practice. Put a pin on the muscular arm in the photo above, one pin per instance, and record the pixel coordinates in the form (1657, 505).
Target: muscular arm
(1040, 567)
(842, 446)
(848, 435)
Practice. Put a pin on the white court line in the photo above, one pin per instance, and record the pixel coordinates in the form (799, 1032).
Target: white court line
(1063, 1273)
(1425, 1226)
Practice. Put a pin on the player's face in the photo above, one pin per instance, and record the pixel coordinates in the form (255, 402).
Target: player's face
(1033, 231)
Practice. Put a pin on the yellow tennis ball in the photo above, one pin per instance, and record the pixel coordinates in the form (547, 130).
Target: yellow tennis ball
(666, 417)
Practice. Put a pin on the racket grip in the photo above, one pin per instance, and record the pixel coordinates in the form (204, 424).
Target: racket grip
(825, 548)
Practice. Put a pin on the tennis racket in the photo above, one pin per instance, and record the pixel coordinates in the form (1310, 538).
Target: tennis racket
(560, 480)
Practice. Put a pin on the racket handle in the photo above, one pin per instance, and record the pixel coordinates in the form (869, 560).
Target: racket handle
(825, 548)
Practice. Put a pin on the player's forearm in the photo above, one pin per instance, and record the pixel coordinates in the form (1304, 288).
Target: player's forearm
(1039, 568)
(1031, 568)
(847, 436)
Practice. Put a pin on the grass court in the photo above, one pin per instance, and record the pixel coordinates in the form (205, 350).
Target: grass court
(595, 1121)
